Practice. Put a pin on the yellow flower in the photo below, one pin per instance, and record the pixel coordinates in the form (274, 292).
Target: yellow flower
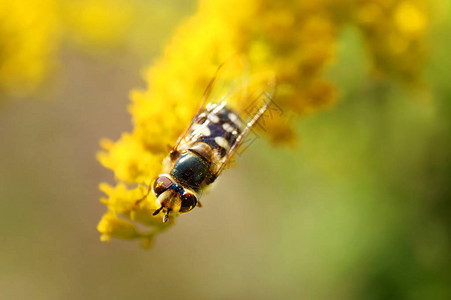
(97, 24)
(31, 33)
(295, 39)
(29, 36)
(394, 31)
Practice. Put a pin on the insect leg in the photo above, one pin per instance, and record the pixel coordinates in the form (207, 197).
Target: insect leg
(138, 202)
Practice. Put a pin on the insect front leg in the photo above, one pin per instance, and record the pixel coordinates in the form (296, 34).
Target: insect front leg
(138, 202)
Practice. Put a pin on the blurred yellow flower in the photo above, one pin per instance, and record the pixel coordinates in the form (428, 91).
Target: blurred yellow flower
(31, 33)
(295, 39)
(394, 31)
(97, 23)
(410, 19)
(29, 36)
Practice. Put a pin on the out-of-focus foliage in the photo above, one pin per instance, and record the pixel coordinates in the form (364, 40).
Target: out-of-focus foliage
(297, 40)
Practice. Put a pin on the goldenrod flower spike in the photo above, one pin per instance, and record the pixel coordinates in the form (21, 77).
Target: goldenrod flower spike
(294, 39)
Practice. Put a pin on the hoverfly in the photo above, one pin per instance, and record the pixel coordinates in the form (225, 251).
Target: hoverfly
(226, 115)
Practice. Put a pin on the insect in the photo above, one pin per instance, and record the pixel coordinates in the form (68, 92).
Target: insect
(213, 137)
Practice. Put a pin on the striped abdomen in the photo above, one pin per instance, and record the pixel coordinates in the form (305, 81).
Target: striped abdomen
(218, 129)
(213, 134)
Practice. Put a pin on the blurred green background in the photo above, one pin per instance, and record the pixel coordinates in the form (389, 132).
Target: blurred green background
(360, 210)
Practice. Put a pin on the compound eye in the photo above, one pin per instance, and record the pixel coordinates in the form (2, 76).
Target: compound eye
(161, 184)
(189, 201)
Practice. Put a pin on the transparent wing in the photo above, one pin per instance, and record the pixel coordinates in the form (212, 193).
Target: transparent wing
(234, 103)
(227, 75)
(205, 97)
(251, 100)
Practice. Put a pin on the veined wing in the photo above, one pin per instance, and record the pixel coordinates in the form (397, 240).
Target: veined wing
(233, 104)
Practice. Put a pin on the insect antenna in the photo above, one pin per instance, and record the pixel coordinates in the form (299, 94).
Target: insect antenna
(157, 211)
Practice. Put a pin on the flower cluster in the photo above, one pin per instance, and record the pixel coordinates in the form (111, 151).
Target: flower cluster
(294, 39)
(393, 32)
(31, 33)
